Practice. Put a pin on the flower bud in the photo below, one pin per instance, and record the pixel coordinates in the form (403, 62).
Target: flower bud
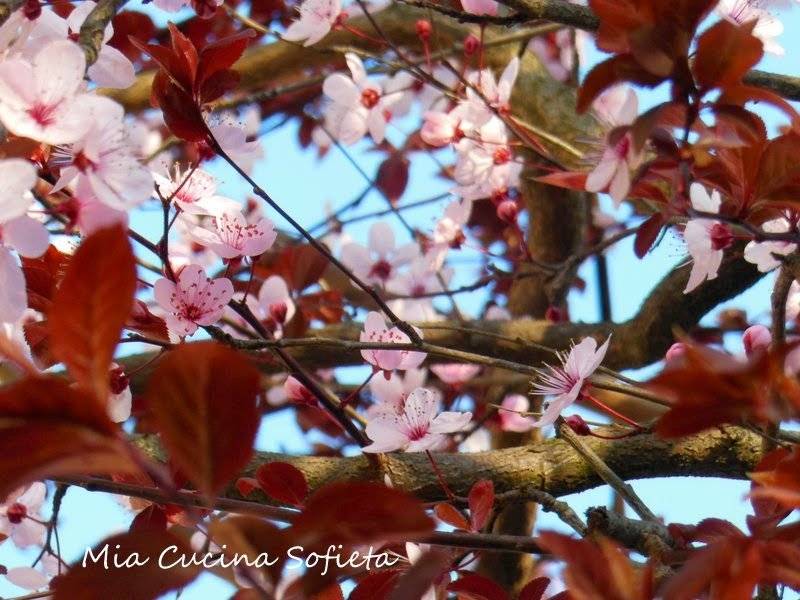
(756, 339)
(578, 425)
(424, 29)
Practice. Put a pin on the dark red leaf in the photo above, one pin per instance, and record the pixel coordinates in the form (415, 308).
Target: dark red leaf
(152, 518)
(647, 234)
(246, 485)
(220, 55)
(447, 513)
(481, 503)
(91, 307)
(375, 586)
(725, 52)
(100, 580)
(477, 587)
(131, 23)
(392, 178)
(202, 397)
(534, 589)
(283, 482)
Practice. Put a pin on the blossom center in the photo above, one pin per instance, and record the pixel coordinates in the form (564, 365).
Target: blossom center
(502, 155)
(721, 236)
(42, 113)
(370, 98)
(16, 512)
(381, 269)
(417, 432)
(623, 147)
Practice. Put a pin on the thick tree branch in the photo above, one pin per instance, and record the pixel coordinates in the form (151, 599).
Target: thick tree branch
(94, 28)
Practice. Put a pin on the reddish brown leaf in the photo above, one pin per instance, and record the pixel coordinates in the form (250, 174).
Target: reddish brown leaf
(447, 513)
(42, 276)
(143, 322)
(392, 178)
(647, 234)
(422, 574)
(358, 513)
(725, 52)
(49, 429)
(246, 485)
(481, 503)
(781, 482)
(102, 578)
(91, 307)
(131, 23)
(571, 180)
(220, 55)
(251, 537)
(152, 518)
(202, 397)
(534, 589)
(375, 586)
(283, 482)
(477, 587)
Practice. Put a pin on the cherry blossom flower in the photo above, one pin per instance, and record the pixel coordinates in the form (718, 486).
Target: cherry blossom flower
(233, 236)
(425, 275)
(793, 302)
(316, 19)
(486, 93)
(42, 100)
(756, 338)
(375, 331)
(510, 415)
(194, 192)
(767, 26)
(18, 177)
(441, 128)
(390, 394)
(675, 351)
(194, 300)
(13, 298)
(620, 156)
(120, 397)
(274, 305)
(241, 145)
(762, 254)
(480, 7)
(111, 69)
(418, 428)
(105, 159)
(34, 578)
(88, 214)
(479, 156)
(359, 105)
(455, 374)
(557, 51)
(497, 313)
(17, 515)
(414, 552)
(449, 229)
(706, 239)
(377, 262)
(298, 393)
(565, 383)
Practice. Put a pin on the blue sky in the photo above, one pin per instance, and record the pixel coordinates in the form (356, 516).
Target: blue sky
(303, 184)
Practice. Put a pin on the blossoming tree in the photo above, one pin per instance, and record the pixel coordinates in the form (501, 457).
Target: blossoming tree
(142, 360)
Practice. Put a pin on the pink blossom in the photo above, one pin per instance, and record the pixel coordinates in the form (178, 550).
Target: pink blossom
(425, 275)
(440, 128)
(497, 313)
(455, 374)
(675, 351)
(762, 254)
(42, 100)
(105, 160)
(375, 331)
(359, 105)
(481, 155)
(233, 236)
(418, 428)
(91, 214)
(557, 51)
(377, 262)
(298, 393)
(194, 300)
(565, 383)
(390, 394)
(34, 578)
(274, 304)
(17, 515)
(755, 339)
(486, 93)
(511, 418)
(480, 7)
(194, 192)
(18, 177)
(241, 145)
(620, 156)
(316, 19)
(120, 397)
(450, 228)
(706, 239)
(767, 28)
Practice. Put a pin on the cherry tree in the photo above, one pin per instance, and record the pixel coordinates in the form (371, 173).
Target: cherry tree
(155, 325)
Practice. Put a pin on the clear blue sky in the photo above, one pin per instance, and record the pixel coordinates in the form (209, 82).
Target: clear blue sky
(300, 182)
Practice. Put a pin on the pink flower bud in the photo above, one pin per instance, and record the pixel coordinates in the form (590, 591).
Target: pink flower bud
(675, 351)
(278, 311)
(424, 29)
(756, 339)
(507, 211)
(471, 45)
(578, 425)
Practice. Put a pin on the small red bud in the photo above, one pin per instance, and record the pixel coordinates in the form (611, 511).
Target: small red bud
(32, 10)
(507, 211)
(424, 29)
(118, 380)
(278, 311)
(578, 425)
(471, 45)
(554, 314)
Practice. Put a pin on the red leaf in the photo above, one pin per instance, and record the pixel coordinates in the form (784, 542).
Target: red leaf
(96, 582)
(144, 322)
(422, 574)
(283, 482)
(477, 587)
(152, 518)
(358, 513)
(392, 177)
(131, 23)
(375, 586)
(181, 113)
(91, 307)
(203, 400)
(647, 234)
(61, 430)
(220, 55)
(725, 52)
(534, 589)
(447, 513)
(246, 485)
(571, 180)
(42, 276)
(481, 502)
